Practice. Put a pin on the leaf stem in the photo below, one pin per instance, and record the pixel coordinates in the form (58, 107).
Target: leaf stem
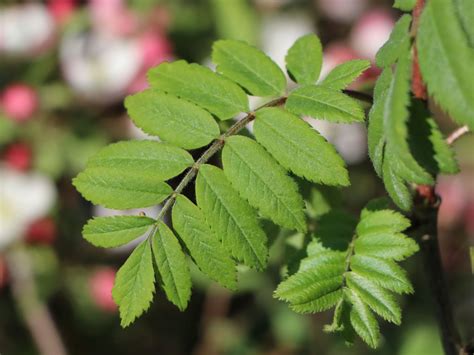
(458, 133)
(213, 149)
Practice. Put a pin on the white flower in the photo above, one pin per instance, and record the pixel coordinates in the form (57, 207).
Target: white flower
(25, 29)
(100, 67)
(24, 198)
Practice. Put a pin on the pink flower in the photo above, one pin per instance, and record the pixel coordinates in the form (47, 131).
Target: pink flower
(19, 102)
(371, 32)
(101, 284)
(154, 48)
(61, 10)
(112, 17)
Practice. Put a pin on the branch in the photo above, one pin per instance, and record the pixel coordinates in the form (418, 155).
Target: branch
(425, 222)
(213, 149)
(35, 313)
(458, 133)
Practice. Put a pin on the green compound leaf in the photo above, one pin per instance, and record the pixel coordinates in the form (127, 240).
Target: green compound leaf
(299, 148)
(356, 276)
(465, 11)
(322, 103)
(395, 124)
(304, 59)
(203, 244)
(382, 221)
(121, 188)
(110, 232)
(249, 67)
(399, 39)
(130, 174)
(201, 86)
(230, 217)
(172, 266)
(445, 59)
(263, 182)
(375, 132)
(404, 5)
(146, 157)
(176, 121)
(313, 290)
(344, 74)
(378, 299)
(396, 186)
(135, 284)
(384, 273)
(362, 319)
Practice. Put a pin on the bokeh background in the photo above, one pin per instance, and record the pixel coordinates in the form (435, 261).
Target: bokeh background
(65, 68)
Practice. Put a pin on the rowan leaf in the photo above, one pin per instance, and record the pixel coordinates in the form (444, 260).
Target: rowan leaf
(322, 103)
(203, 244)
(299, 148)
(378, 299)
(201, 86)
(230, 217)
(121, 188)
(395, 124)
(465, 11)
(249, 67)
(135, 284)
(396, 44)
(304, 59)
(172, 266)
(145, 157)
(130, 174)
(174, 120)
(363, 320)
(344, 74)
(263, 182)
(109, 232)
(445, 59)
(404, 5)
(384, 273)
(375, 132)
(357, 274)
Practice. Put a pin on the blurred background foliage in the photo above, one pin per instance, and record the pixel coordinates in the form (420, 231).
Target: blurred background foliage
(66, 66)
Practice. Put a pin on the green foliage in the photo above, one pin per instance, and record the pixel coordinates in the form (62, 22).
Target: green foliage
(299, 148)
(130, 174)
(304, 60)
(324, 103)
(201, 86)
(175, 121)
(108, 232)
(263, 182)
(249, 67)
(465, 11)
(235, 20)
(359, 279)
(405, 5)
(135, 284)
(230, 217)
(446, 59)
(399, 38)
(344, 74)
(202, 243)
(405, 144)
(172, 266)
